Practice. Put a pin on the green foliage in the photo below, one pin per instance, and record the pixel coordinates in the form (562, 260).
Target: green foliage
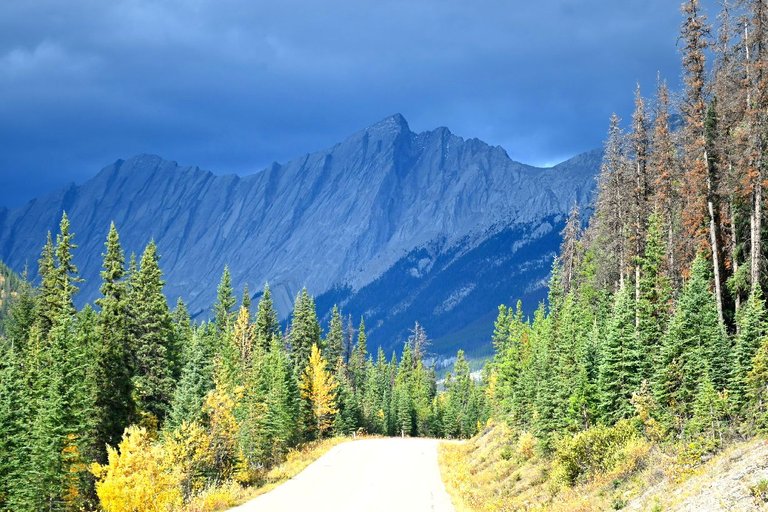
(267, 326)
(694, 344)
(152, 335)
(621, 366)
(598, 450)
(305, 330)
(751, 323)
(225, 302)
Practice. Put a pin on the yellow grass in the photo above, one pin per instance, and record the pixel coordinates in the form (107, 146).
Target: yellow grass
(499, 471)
(230, 494)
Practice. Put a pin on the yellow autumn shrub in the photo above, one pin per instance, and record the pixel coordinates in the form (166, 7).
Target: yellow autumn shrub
(138, 477)
(189, 449)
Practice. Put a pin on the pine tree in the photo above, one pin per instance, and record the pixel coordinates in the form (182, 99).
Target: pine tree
(14, 422)
(612, 218)
(65, 268)
(182, 336)
(113, 401)
(279, 422)
(757, 388)
(752, 327)
(48, 303)
(267, 325)
(346, 420)
(246, 300)
(663, 160)
(21, 315)
(655, 297)
(710, 412)
(305, 330)
(225, 302)
(195, 383)
(334, 341)
(694, 344)
(620, 371)
(569, 248)
(153, 333)
(358, 361)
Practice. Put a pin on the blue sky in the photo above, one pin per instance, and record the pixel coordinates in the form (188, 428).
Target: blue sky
(232, 85)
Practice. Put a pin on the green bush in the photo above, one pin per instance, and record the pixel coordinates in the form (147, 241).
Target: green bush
(598, 450)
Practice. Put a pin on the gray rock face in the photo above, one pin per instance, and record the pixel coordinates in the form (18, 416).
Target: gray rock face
(340, 217)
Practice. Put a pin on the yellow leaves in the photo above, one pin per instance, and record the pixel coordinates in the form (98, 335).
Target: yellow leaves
(318, 388)
(244, 334)
(189, 450)
(138, 477)
(223, 430)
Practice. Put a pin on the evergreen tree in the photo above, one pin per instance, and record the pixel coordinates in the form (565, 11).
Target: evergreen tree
(267, 325)
(305, 330)
(710, 412)
(21, 315)
(225, 302)
(358, 360)
(654, 299)
(195, 383)
(620, 372)
(346, 420)
(152, 327)
(334, 341)
(694, 344)
(751, 323)
(246, 300)
(113, 401)
(280, 420)
(14, 422)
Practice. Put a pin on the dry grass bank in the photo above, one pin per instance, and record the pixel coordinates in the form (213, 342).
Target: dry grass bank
(502, 471)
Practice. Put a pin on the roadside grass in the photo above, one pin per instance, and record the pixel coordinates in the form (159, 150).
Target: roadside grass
(230, 494)
(500, 470)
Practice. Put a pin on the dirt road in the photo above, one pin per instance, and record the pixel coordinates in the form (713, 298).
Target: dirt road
(372, 475)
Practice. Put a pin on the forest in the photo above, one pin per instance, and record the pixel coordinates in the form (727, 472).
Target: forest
(654, 333)
(655, 324)
(129, 402)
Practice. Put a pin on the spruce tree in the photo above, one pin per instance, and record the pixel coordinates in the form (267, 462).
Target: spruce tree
(620, 371)
(267, 325)
(751, 323)
(305, 330)
(694, 344)
(655, 297)
(334, 341)
(153, 330)
(113, 400)
(225, 302)
(246, 300)
(21, 315)
(195, 383)
(14, 424)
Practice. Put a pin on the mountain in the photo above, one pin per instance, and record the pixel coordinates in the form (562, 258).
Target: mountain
(391, 224)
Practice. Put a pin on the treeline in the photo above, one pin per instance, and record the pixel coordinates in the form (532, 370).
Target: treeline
(10, 283)
(656, 313)
(191, 406)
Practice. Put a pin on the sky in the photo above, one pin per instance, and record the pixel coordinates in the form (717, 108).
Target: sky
(233, 85)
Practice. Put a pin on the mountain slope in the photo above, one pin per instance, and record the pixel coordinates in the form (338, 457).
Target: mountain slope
(342, 218)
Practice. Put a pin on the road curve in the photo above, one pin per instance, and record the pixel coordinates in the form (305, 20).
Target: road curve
(370, 475)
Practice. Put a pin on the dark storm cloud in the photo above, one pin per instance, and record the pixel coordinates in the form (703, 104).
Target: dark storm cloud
(232, 85)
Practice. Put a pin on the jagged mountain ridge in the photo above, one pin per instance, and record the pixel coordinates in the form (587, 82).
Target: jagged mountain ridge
(339, 218)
